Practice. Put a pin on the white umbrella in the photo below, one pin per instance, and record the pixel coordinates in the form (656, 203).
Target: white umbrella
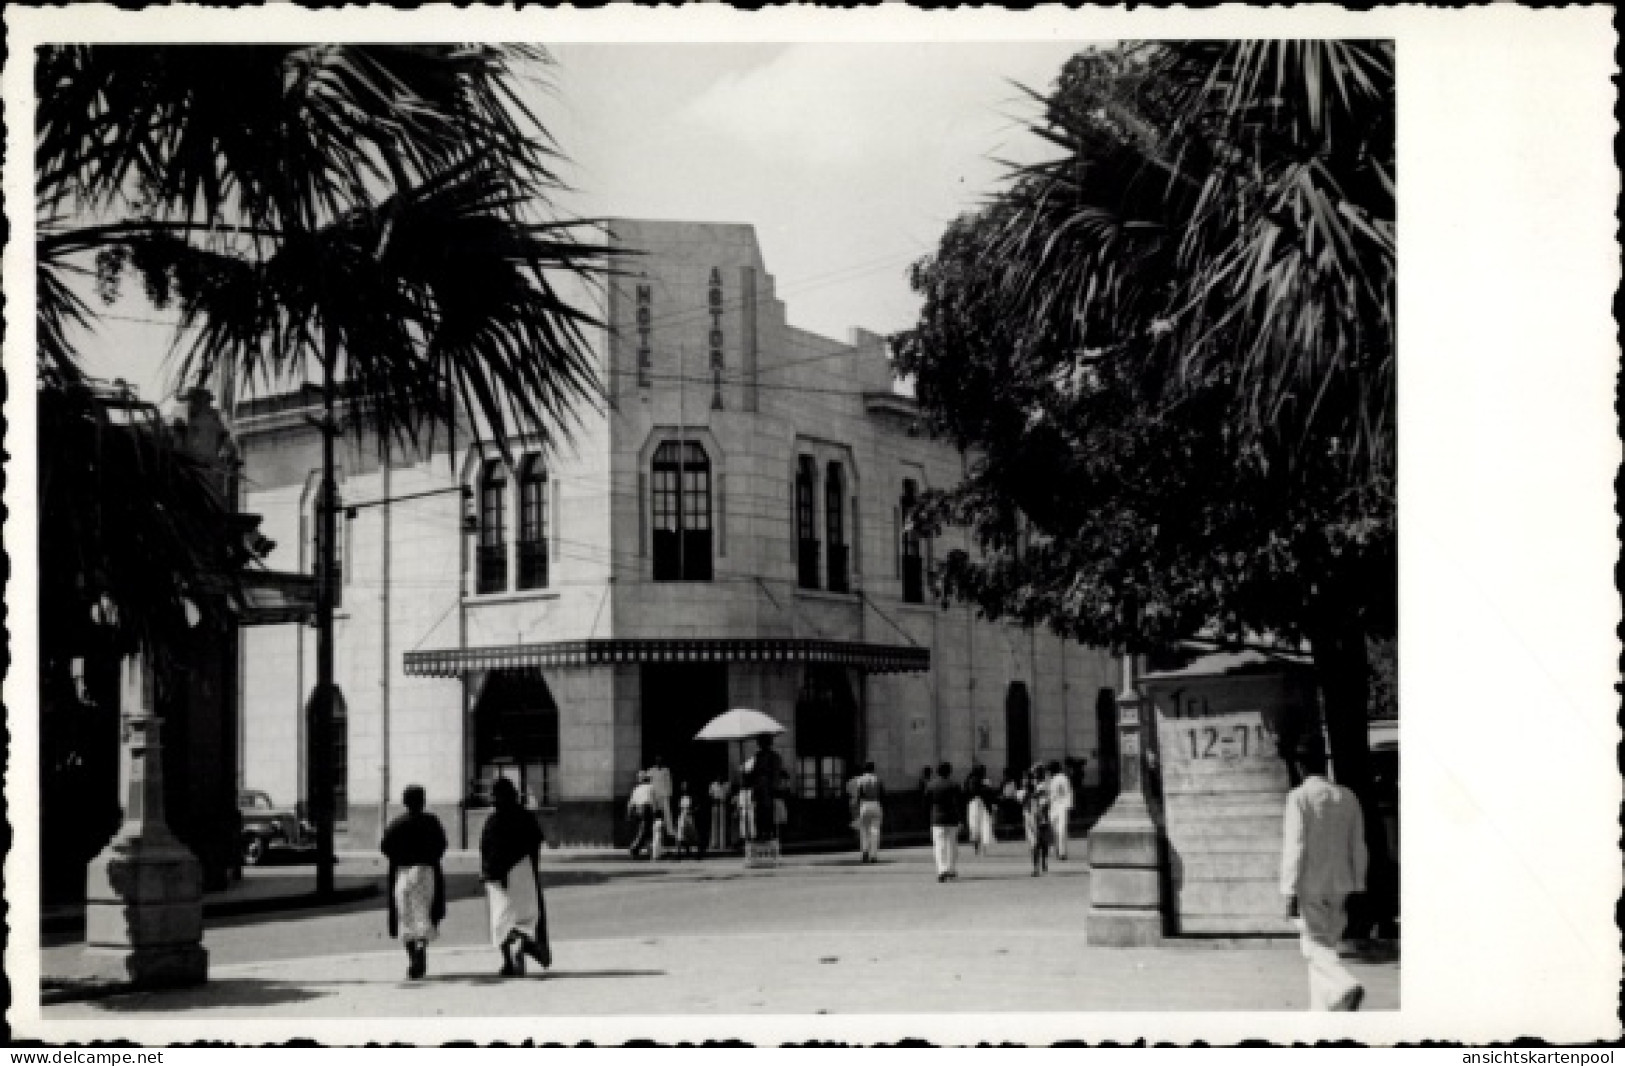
(741, 723)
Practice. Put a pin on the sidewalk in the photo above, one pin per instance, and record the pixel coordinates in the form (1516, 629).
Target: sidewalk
(262, 890)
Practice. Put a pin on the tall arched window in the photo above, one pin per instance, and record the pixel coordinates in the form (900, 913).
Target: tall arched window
(681, 484)
(835, 526)
(532, 523)
(491, 573)
(806, 524)
(913, 565)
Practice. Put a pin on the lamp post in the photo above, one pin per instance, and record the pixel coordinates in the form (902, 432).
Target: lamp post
(144, 891)
(1125, 853)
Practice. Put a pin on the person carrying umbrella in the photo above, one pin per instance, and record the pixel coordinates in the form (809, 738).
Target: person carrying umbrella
(765, 768)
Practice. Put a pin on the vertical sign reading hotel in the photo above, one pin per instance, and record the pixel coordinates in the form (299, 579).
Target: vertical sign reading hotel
(645, 327)
(715, 337)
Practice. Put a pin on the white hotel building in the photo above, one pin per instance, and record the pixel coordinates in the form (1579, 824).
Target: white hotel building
(727, 530)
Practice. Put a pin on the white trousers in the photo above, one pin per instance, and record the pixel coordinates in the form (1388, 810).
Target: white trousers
(869, 816)
(1057, 827)
(980, 820)
(945, 842)
(1320, 928)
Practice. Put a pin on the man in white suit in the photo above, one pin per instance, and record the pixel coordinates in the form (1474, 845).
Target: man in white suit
(1060, 805)
(1322, 860)
(660, 781)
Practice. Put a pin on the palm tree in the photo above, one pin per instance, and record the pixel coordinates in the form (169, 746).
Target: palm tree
(373, 216)
(1226, 207)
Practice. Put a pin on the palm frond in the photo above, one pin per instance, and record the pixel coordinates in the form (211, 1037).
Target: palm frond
(438, 292)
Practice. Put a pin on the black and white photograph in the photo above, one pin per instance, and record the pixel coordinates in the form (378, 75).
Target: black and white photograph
(805, 529)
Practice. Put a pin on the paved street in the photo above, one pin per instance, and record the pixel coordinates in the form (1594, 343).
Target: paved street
(821, 934)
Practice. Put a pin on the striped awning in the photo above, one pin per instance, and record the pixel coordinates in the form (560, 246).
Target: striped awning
(875, 658)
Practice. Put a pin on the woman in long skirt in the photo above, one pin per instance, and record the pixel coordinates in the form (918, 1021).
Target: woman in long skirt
(509, 848)
(414, 844)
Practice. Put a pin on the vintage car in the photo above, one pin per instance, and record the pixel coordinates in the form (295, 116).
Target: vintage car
(265, 825)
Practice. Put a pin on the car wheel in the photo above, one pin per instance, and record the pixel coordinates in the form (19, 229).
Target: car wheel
(253, 851)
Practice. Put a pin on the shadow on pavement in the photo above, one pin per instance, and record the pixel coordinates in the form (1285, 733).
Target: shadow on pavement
(562, 975)
(227, 992)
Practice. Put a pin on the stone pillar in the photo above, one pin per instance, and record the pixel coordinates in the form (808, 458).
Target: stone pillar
(1125, 873)
(144, 892)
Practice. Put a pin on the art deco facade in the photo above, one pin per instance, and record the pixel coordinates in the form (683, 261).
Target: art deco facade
(729, 529)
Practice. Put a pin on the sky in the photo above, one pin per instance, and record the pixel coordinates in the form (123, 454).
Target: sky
(849, 159)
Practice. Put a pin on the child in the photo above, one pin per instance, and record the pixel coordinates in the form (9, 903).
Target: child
(688, 834)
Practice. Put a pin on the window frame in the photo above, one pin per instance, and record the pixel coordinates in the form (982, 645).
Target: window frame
(681, 491)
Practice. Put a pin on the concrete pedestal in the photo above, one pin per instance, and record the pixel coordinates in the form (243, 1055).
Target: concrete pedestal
(1125, 880)
(1125, 861)
(144, 892)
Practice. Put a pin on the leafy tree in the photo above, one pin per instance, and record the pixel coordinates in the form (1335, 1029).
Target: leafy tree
(1169, 354)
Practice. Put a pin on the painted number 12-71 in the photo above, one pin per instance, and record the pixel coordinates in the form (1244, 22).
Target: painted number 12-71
(1212, 742)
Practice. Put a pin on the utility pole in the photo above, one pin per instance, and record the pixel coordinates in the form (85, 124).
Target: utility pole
(321, 703)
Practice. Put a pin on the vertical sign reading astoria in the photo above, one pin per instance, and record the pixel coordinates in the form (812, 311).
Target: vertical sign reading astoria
(715, 337)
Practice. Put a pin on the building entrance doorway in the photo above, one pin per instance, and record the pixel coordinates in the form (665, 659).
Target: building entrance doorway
(678, 699)
(516, 735)
(828, 728)
(1018, 728)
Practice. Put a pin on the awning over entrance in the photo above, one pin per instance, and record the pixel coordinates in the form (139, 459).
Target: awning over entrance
(875, 658)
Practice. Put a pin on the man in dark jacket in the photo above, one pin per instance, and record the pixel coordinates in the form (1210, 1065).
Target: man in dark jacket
(946, 803)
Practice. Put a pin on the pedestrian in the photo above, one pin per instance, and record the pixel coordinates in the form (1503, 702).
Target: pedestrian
(746, 805)
(688, 834)
(763, 771)
(781, 805)
(1060, 807)
(640, 811)
(866, 794)
(1009, 804)
(719, 815)
(979, 809)
(414, 844)
(946, 803)
(1035, 810)
(509, 849)
(1323, 860)
(660, 781)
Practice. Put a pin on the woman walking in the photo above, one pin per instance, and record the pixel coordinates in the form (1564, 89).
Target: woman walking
(979, 811)
(414, 844)
(509, 847)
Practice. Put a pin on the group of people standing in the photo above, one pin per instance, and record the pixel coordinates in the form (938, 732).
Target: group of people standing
(510, 847)
(756, 812)
(1044, 796)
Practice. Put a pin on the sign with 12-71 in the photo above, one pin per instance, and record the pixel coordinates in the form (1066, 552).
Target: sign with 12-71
(1226, 737)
